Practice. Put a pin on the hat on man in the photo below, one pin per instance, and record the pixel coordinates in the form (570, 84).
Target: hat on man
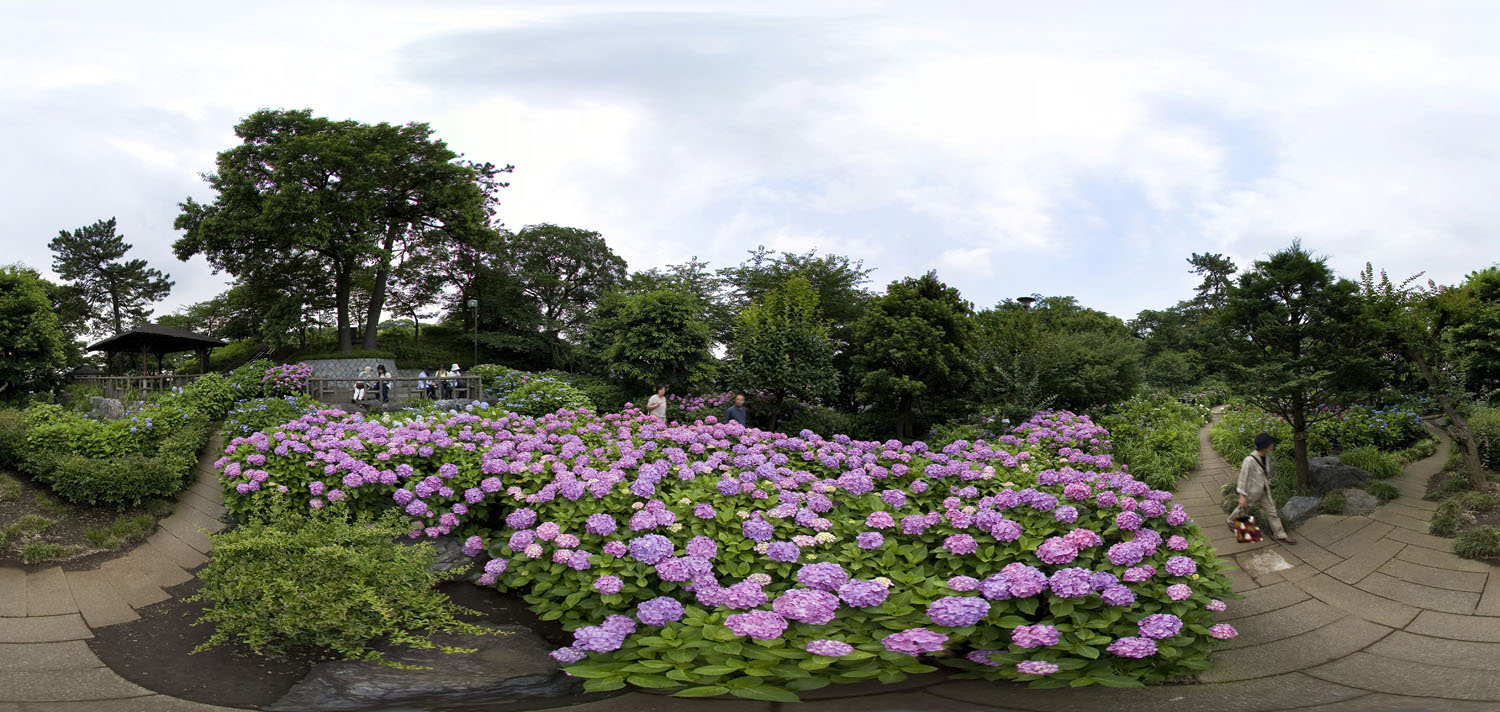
(1263, 441)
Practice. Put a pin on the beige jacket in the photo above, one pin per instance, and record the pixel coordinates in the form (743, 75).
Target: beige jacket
(1254, 480)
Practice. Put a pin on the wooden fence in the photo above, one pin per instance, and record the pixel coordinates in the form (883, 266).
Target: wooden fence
(337, 391)
(133, 387)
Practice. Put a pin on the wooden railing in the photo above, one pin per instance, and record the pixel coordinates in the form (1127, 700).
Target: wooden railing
(337, 391)
(133, 387)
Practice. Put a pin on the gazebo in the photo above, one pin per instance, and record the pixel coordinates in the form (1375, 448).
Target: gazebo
(148, 339)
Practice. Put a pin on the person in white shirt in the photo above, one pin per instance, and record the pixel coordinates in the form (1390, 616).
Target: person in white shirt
(1254, 488)
(657, 404)
(363, 384)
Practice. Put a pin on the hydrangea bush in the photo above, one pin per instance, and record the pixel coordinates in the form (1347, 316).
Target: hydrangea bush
(709, 558)
(1348, 428)
(286, 380)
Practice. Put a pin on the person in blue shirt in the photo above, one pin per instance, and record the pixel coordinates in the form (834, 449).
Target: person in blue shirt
(737, 412)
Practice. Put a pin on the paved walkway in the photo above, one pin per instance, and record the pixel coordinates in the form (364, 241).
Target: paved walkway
(1366, 613)
(47, 614)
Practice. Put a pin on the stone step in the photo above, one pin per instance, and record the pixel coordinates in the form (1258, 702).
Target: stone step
(47, 593)
(1315, 647)
(78, 685)
(1405, 677)
(98, 602)
(12, 592)
(44, 629)
(57, 656)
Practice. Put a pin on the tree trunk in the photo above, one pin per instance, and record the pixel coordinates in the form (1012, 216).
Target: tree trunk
(342, 288)
(1458, 425)
(1299, 445)
(903, 418)
(416, 327)
(377, 292)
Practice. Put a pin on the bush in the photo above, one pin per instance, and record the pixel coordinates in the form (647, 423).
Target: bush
(541, 395)
(13, 431)
(1156, 437)
(1383, 465)
(285, 380)
(1485, 424)
(1333, 503)
(1352, 427)
(747, 517)
(1478, 543)
(319, 581)
(1424, 448)
(1457, 512)
(259, 414)
(1383, 491)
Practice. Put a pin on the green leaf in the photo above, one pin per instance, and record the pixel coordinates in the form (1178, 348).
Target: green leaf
(602, 685)
(714, 670)
(653, 681)
(702, 691)
(766, 693)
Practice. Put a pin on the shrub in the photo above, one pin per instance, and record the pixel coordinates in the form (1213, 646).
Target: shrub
(1424, 448)
(1383, 465)
(1386, 429)
(120, 532)
(35, 552)
(285, 380)
(10, 488)
(1456, 512)
(1485, 424)
(1383, 491)
(540, 395)
(304, 581)
(1333, 503)
(1478, 543)
(259, 414)
(13, 431)
(577, 504)
(1156, 437)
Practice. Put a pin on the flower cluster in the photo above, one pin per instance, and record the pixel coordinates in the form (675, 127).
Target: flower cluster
(638, 535)
(286, 379)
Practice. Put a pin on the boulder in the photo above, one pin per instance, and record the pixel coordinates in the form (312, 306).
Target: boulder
(452, 404)
(106, 408)
(1358, 501)
(1296, 511)
(450, 552)
(510, 668)
(1329, 474)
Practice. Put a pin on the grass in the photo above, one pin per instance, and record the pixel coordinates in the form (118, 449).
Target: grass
(120, 532)
(1421, 449)
(29, 525)
(1383, 491)
(1383, 465)
(10, 488)
(1456, 512)
(1478, 543)
(39, 551)
(47, 504)
(1333, 503)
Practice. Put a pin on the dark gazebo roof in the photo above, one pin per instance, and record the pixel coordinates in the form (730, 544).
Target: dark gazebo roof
(156, 339)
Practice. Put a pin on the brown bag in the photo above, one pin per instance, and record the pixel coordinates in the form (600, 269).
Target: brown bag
(1246, 531)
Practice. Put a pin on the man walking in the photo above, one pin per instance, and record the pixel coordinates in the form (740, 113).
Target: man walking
(1254, 487)
(737, 411)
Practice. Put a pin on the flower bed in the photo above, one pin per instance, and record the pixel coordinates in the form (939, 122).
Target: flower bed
(1351, 427)
(712, 559)
(1156, 436)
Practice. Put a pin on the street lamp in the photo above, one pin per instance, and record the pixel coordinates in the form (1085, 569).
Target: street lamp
(474, 307)
(1026, 302)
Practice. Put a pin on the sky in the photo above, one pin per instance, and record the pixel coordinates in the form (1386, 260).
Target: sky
(1063, 148)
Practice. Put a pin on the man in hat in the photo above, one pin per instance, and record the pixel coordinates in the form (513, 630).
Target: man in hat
(1254, 487)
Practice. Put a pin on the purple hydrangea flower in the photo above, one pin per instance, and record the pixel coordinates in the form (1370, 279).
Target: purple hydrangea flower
(961, 544)
(783, 551)
(1035, 667)
(522, 518)
(1034, 636)
(651, 548)
(829, 648)
(1057, 550)
(1006, 530)
(1132, 647)
(1181, 566)
(869, 540)
(1137, 574)
(982, 657)
(1160, 626)
(1216, 606)
(914, 641)
(1126, 553)
(608, 584)
(757, 529)
(1128, 521)
(1118, 596)
(702, 546)
(597, 639)
(1177, 542)
(601, 524)
(568, 655)
(863, 594)
(659, 611)
(744, 595)
(963, 583)
(823, 576)
(1223, 631)
(760, 625)
(1179, 591)
(472, 546)
(807, 606)
(957, 611)
(1072, 583)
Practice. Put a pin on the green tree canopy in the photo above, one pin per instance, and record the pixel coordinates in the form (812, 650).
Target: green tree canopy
(1057, 353)
(650, 338)
(117, 291)
(782, 348)
(1218, 276)
(32, 342)
(565, 271)
(912, 343)
(1295, 338)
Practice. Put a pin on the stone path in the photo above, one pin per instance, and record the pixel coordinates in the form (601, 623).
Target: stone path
(47, 614)
(1366, 613)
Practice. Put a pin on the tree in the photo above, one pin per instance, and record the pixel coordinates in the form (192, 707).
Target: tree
(913, 343)
(1474, 337)
(32, 342)
(341, 195)
(118, 292)
(692, 277)
(564, 271)
(783, 349)
(650, 338)
(1217, 272)
(1414, 322)
(1057, 353)
(1294, 337)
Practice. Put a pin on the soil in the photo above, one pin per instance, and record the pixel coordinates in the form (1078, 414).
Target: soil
(72, 521)
(155, 652)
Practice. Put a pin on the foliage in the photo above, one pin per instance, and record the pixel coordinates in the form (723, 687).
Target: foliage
(649, 338)
(1382, 465)
(544, 394)
(258, 414)
(1294, 336)
(1457, 512)
(31, 338)
(1343, 429)
(783, 349)
(285, 380)
(565, 272)
(912, 343)
(1472, 343)
(117, 292)
(14, 429)
(605, 495)
(1478, 543)
(1383, 491)
(1055, 353)
(1156, 437)
(321, 581)
(1172, 371)
(1485, 423)
(122, 531)
(1333, 503)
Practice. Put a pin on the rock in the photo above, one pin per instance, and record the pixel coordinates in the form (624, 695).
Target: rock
(452, 404)
(1297, 510)
(450, 552)
(507, 669)
(1358, 501)
(106, 408)
(1329, 474)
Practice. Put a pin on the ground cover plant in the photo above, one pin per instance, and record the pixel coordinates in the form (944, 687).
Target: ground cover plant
(1156, 436)
(708, 558)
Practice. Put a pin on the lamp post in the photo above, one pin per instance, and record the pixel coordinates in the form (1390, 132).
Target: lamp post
(474, 307)
(1026, 302)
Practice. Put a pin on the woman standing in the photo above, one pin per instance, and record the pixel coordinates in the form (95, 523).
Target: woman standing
(1254, 488)
(657, 404)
